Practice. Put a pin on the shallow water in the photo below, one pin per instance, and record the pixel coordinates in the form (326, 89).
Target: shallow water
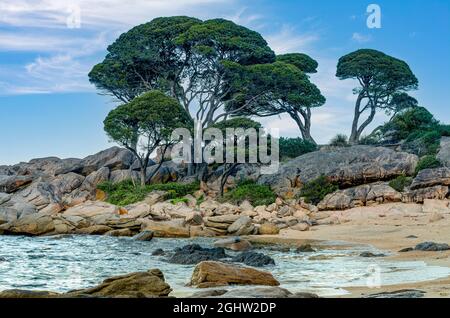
(73, 262)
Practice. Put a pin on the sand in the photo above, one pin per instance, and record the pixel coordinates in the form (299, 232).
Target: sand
(389, 227)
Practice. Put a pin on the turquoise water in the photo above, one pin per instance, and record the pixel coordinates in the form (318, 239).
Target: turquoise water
(72, 262)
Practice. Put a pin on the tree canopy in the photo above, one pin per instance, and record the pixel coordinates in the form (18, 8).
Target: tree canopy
(381, 78)
(149, 118)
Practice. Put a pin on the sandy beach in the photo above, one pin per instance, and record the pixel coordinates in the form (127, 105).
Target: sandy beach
(388, 227)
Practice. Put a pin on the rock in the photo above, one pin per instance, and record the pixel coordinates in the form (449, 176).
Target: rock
(301, 227)
(444, 152)
(201, 231)
(211, 274)
(305, 248)
(285, 211)
(347, 166)
(194, 254)
(431, 246)
(254, 259)
(209, 293)
(258, 292)
(114, 158)
(136, 285)
(229, 218)
(93, 209)
(119, 232)
(144, 236)
(138, 210)
(94, 230)
(405, 250)
(246, 206)
(170, 229)
(194, 218)
(370, 255)
(368, 194)
(268, 229)
(404, 293)
(10, 184)
(435, 217)
(158, 252)
(304, 295)
(35, 224)
(242, 226)
(155, 197)
(118, 176)
(234, 244)
(21, 294)
(431, 177)
(420, 195)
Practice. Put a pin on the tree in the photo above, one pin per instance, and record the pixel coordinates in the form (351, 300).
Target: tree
(151, 117)
(235, 123)
(280, 87)
(183, 57)
(380, 78)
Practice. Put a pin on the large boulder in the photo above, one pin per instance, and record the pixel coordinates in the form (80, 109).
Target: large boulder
(444, 152)
(363, 195)
(173, 228)
(212, 274)
(431, 177)
(347, 166)
(114, 158)
(35, 224)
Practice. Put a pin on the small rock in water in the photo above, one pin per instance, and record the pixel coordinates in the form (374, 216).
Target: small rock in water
(158, 252)
(405, 250)
(2, 259)
(431, 246)
(254, 259)
(194, 254)
(305, 248)
(369, 254)
(144, 236)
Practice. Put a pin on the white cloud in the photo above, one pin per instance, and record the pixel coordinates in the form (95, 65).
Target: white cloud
(361, 38)
(288, 40)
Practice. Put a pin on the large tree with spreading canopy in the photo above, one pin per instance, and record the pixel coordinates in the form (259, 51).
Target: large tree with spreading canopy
(383, 81)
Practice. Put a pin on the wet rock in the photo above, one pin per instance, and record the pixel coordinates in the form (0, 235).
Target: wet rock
(137, 285)
(235, 244)
(254, 259)
(431, 246)
(370, 255)
(158, 252)
(212, 274)
(120, 232)
(305, 248)
(194, 254)
(405, 293)
(144, 236)
(21, 294)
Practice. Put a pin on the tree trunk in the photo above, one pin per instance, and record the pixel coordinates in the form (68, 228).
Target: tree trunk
(305, 125)
(143, 176)
(354, 137)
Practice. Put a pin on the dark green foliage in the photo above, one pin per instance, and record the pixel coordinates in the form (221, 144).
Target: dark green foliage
(444, 130)
(382, 79)
(400, 183)
(256, 194)
(127, 192)
(315, 190)
(339, 140)
(428, 162)
(295, 147)
(423, 143)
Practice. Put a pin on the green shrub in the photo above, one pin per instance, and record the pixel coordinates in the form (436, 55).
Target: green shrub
(340, 140)
(256, 194)
(179, 200)
(315, 190)
(423, 143)
(126, 192)
(400, 183)
(444, 130)
(295, 147)
(428, 162)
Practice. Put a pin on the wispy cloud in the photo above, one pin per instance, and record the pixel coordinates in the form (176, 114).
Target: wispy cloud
(289, 40)
(361, 38)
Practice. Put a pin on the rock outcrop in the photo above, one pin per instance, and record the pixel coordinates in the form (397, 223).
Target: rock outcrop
(347, 166)
(213, 274)
(444, 152)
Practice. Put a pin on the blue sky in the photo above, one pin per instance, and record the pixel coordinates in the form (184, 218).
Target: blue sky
(48, 107)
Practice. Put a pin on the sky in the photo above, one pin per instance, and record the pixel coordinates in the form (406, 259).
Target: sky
(47, 47)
